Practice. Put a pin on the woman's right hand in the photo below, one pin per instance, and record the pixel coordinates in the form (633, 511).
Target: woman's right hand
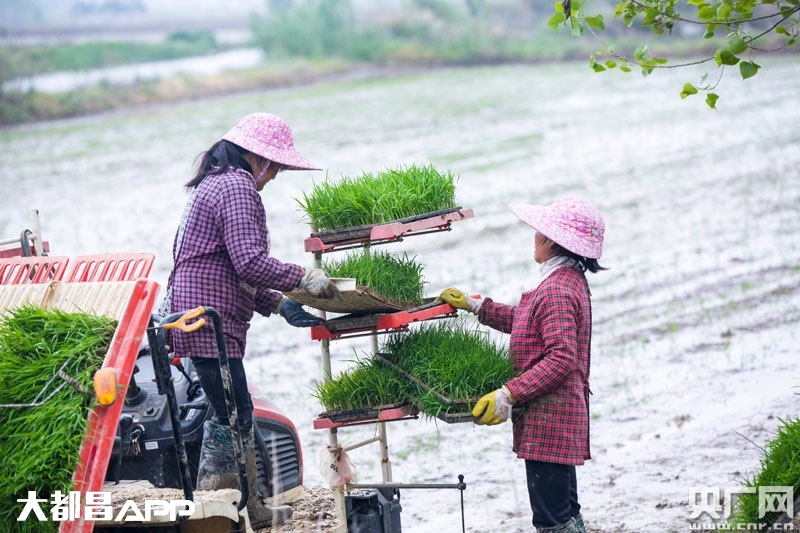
(460, 300)
(318, 284)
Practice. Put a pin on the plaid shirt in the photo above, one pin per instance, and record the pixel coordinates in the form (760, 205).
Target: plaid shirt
(550, 343)
(224, 263)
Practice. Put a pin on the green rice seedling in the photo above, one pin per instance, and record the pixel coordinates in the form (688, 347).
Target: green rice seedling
(398, 278)
(780, 467)
(40, 446)
(455, 362)
(366, 384)
(376, 198)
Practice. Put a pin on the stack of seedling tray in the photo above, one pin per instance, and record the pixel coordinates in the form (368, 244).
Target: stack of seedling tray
(371, 209)
(362, 212)
(440, 369)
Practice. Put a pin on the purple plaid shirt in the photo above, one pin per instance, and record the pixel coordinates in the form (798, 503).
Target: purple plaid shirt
(551, 332)
(224, 263)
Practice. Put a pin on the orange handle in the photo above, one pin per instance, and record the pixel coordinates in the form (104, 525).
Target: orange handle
(181, 322)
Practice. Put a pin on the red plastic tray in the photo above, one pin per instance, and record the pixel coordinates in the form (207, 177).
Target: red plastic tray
(111, 267)
(387, 322)
(391, 231)
(36, 269)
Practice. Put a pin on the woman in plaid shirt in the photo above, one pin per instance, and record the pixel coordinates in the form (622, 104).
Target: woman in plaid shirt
(550, 342)
(222, 260)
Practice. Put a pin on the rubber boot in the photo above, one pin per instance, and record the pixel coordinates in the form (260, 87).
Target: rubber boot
(568, 527)
(217, 468)
(579, 523)
(261, 515)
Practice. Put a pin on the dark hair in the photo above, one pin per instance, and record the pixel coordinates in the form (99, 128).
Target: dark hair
(217, 159)
(586, 264)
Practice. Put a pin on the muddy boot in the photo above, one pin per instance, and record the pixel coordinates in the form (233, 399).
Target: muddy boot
(568, 527)
(579, 523)
(261, 515)
(217, 469)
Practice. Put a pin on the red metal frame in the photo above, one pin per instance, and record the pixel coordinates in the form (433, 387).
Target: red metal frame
(392, 231)
(387, 415)
(17, 251)
(388, 322)
(35, 269)
(99, 441)
(111, 267)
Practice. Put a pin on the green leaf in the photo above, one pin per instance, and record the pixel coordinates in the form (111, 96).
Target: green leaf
(748, 69)
(711, 100)
(706, 13)
(624, 67)
(596, 22)
(558, 7)
(724, 57)
(597, 67)
(610, 63)
(640, 54)
(688, 89)
(556, 20)
(737, 45)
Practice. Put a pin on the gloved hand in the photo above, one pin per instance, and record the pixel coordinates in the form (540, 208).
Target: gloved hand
(493, 408)
(318, 284)
(296, 316)
(459, 300)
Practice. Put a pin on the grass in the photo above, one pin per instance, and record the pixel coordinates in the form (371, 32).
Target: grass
(40, 446)
(398, 278)
(366, 384)
(453, 360)
(780, 467)
(30, 60)
(375, 198)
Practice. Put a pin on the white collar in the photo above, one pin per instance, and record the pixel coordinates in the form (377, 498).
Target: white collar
(555, 262)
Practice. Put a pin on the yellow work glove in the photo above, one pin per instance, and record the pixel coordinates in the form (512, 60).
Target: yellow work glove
(493, 408)
(459, 300)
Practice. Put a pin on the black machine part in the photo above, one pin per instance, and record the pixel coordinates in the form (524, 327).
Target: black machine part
(373, 511)
(145, 430)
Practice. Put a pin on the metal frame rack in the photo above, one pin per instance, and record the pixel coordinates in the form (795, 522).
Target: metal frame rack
(372, 326)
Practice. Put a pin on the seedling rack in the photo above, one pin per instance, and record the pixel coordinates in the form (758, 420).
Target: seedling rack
(357, 236)
(367, 324)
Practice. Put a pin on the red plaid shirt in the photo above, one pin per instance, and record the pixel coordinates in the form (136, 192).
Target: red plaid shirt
(224, 263)
(550, 343)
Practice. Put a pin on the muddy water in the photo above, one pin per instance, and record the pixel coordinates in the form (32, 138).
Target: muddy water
(702, 296)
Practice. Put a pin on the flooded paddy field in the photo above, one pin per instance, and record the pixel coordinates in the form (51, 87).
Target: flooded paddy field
(694, 356)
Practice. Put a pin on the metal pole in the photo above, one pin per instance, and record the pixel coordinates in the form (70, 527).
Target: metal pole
(37, 233)
(333, 434)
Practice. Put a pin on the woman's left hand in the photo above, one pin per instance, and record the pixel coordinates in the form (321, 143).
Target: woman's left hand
(296, 316)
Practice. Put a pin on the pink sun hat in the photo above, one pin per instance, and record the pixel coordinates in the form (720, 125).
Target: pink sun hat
(572, 222)
(270, 137)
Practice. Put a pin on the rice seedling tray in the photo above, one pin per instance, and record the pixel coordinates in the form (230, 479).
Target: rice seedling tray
(343, 238)
(458, 410)
(366, 415)
(354, 299)
(365, 324)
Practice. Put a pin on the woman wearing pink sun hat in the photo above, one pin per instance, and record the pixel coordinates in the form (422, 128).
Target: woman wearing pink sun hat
(221, 255)
(550, 342)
